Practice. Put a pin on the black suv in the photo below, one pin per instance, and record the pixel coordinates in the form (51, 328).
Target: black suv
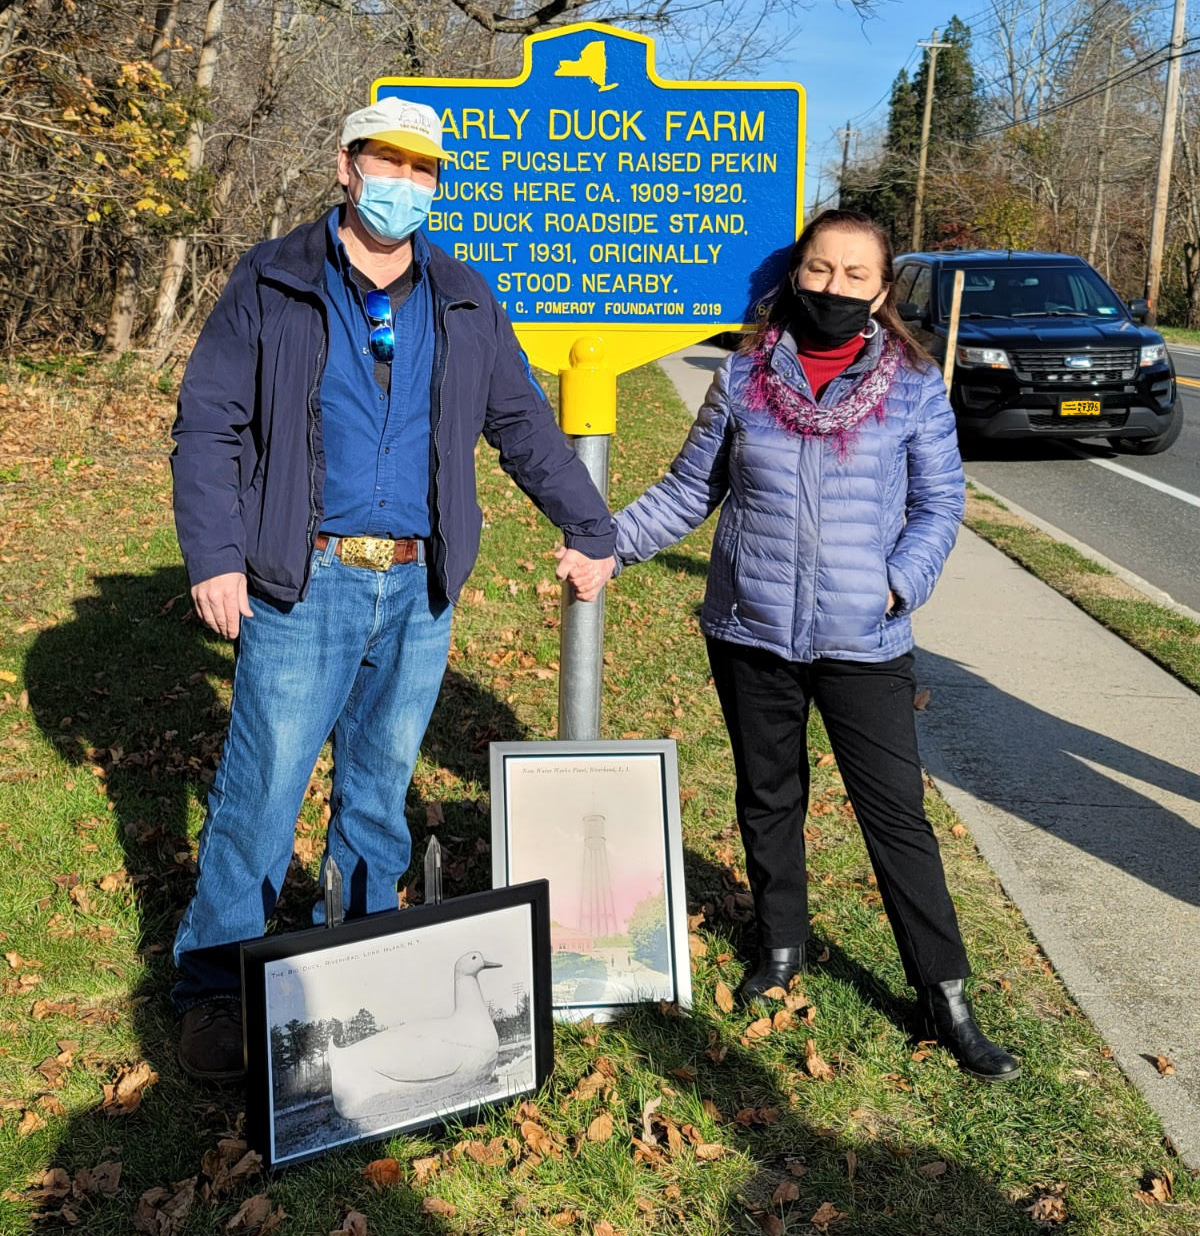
(1045, 348)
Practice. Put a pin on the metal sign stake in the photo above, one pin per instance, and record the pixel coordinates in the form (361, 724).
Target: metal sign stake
(331, 881)
(588, 413)
(433, 872)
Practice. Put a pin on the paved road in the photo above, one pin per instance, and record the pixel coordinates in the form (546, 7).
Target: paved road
(1151, 531)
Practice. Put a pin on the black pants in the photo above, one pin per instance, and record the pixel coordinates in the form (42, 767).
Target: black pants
(868, 713)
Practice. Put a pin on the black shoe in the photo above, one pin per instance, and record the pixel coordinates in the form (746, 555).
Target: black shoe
(210, 1041)
(946, 1016)
(776, 968)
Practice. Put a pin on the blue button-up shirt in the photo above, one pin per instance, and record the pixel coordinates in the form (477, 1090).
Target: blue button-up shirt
(376, 437)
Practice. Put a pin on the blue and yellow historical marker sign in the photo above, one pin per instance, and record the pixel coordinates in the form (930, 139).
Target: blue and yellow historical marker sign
(599, 199)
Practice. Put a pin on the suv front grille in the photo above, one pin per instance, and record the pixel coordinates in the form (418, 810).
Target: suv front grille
(1049, 421)
(1108, 365)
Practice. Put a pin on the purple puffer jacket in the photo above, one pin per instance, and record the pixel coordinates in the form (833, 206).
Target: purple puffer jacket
(808, 544)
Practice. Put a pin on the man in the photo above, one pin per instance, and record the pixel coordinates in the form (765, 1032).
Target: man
(325, 504)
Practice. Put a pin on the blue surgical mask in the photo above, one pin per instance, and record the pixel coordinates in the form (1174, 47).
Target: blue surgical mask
(392, 207)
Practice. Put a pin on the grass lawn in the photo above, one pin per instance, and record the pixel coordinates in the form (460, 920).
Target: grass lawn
(112, 706)
(1179, 334)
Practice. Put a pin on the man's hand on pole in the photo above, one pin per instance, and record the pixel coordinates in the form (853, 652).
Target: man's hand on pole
(586, 575)
(222, 603)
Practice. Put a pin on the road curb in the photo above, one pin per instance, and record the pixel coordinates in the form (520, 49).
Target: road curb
(1150, 591)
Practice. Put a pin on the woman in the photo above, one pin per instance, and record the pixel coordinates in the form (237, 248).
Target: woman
(830, 446)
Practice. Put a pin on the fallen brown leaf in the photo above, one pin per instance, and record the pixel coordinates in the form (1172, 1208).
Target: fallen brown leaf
(922, 698)
(771, 1224)
(814, 1065)
(1049, 1207)
(538, 1140)
(696, 946)
(1156, 1188)
(785, 1191)
(851, 1164)
(590, 1086)
(251, 1215)
(354, 1224)
(707, 1152)
(723, 997)
(161, 1212)
(438, 1206)
(958, 830)
(646, 1152)
(564, 1218)
(425, 1169)
(827, 1213)
(30, 1123)
(381, 1174)
(600, 1130)
(1165, 1065)
(51, 1186)
(758, 1029)
(123, 1094)
(826, 760)
(103, 1180)
(652, 1105)
(785, 1019)
(931, 1171)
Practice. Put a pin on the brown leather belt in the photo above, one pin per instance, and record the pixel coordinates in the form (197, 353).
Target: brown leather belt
(374, 553)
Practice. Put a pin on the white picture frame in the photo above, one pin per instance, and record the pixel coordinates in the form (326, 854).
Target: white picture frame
(599, 820)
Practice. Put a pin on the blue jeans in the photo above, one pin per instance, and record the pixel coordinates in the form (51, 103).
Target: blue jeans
(361, 657)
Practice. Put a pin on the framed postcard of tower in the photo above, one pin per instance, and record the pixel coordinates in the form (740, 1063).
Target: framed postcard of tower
(600, 821)
(396, 1023)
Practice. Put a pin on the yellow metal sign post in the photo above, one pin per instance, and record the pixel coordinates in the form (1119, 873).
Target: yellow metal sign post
(618, 217)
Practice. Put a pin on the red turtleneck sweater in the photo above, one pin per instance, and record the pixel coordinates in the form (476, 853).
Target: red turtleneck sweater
(822, 365)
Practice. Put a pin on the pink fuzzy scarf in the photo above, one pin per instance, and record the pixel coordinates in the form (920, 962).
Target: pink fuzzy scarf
(797, 413)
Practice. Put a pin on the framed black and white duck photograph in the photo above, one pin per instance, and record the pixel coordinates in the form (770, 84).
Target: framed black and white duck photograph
(600, 821)
(397, 1022)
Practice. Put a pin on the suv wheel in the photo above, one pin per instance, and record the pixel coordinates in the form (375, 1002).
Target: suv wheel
(1160, 442)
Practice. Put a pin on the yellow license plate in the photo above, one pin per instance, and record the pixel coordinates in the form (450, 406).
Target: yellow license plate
(1079, 407)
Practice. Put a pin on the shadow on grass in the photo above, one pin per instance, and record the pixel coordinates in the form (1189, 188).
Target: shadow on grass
(133, 687)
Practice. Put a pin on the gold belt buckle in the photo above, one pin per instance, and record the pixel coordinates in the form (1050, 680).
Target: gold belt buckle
(368, 551)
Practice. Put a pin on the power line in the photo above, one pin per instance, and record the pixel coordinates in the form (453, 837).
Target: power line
(1125, 75)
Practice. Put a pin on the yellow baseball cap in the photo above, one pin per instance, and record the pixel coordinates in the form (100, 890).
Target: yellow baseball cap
(411, 126)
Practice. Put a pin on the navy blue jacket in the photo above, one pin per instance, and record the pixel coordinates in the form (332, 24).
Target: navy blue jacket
(249, 464)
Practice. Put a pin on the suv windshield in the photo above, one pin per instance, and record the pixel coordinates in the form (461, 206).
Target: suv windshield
(1012, 291)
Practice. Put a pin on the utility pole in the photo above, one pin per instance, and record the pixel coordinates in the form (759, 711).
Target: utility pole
(845, 134)
(933, 47)
(1162, 192)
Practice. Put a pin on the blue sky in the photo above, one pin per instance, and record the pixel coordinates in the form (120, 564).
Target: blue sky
(846, 67)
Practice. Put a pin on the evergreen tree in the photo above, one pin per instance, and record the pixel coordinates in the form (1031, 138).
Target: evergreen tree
(887, 191)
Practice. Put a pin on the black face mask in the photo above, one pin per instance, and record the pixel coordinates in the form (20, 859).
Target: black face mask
(828, 320)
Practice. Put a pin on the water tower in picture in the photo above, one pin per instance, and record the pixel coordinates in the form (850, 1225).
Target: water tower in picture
(598, 916)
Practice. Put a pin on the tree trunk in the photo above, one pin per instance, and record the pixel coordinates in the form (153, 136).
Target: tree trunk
(279, 209)
(176, 256)
(119, 333)
(165, 14)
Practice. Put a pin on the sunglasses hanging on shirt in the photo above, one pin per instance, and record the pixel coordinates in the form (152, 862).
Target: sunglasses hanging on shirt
(382, 338)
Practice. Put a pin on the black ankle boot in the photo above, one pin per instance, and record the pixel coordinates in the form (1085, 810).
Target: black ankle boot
(946, 1016)
(776, 968)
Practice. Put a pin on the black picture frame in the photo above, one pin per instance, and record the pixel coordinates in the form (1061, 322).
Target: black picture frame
(333, 1056)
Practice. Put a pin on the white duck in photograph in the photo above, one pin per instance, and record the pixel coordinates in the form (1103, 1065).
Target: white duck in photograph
(420, 1064)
